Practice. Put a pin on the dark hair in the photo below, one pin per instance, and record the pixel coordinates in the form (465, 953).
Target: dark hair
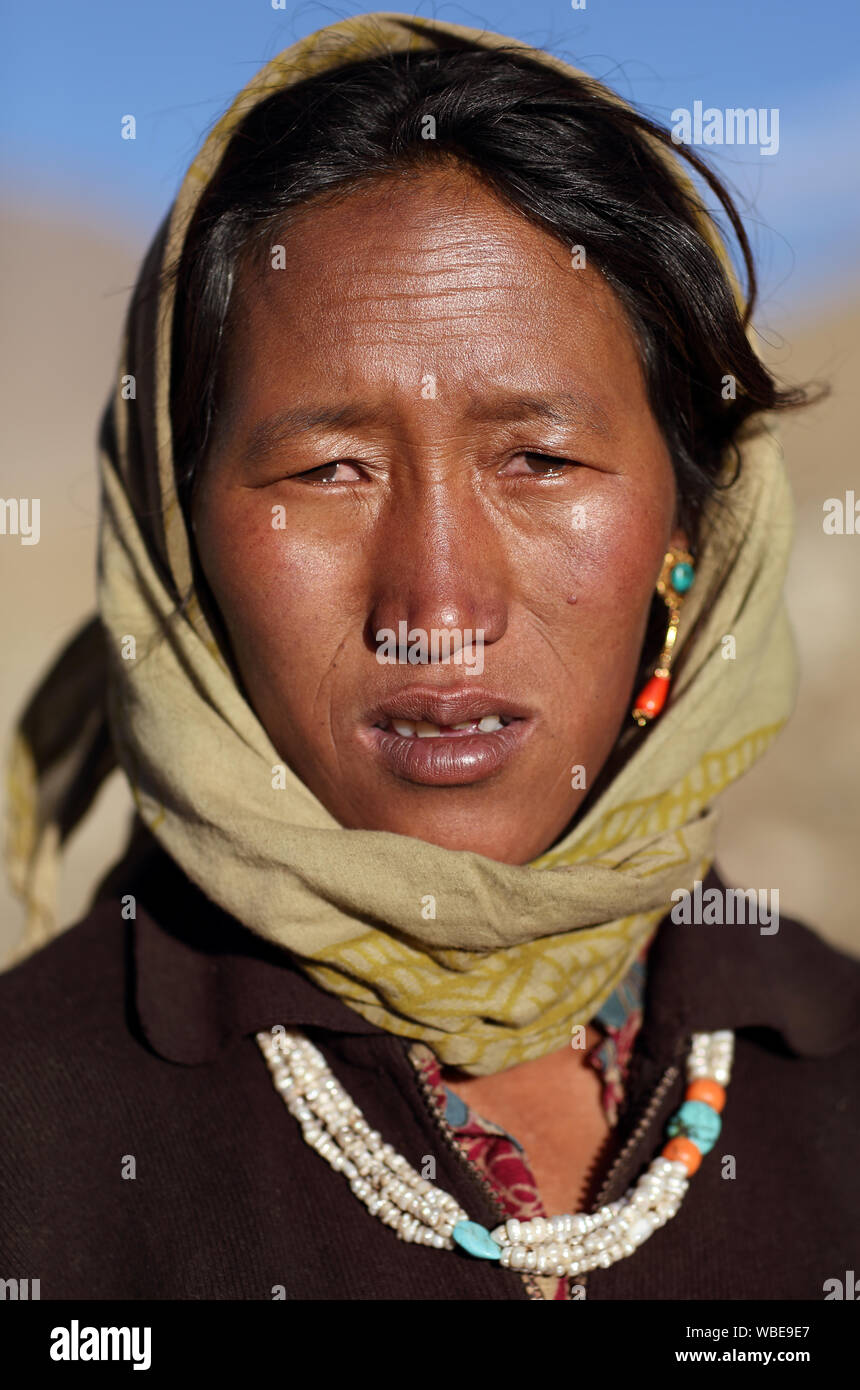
(566, 157)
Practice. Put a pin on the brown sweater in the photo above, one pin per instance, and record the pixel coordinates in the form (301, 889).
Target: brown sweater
(128, 1047)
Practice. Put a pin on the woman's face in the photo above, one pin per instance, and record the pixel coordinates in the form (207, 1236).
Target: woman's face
(435, 417)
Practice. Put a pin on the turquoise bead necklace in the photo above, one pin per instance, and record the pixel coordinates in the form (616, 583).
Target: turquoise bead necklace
(420, 1212)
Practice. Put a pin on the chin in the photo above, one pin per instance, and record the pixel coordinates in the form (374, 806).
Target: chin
(473, 828)
(504, 848)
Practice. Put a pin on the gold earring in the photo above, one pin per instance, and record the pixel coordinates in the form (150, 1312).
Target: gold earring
(676, 579)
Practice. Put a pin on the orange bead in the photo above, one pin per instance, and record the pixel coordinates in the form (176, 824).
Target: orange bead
(683, 1151)
(652, 697)
(711, 1092)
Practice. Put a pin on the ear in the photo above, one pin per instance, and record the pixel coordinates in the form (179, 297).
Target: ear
(679, 540)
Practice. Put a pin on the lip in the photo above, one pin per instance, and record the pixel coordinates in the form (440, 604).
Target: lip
(440, 706)
(452, 759)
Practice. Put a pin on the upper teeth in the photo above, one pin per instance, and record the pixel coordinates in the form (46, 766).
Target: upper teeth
(422, 728)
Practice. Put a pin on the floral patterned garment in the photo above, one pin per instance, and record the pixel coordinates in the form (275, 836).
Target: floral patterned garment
(497, 1155)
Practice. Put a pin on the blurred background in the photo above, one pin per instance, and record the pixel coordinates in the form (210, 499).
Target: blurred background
(82, 205)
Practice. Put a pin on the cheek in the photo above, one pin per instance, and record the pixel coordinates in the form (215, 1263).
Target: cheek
(282, 592)
(619, 559)
(605, 553)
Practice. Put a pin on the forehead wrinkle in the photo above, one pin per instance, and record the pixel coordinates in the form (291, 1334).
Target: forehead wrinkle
(355, 311)
(468, 325)
(338, 294)
(487, 274)
(483, 307)
(372, 297)
(484, 262)
(435, 280)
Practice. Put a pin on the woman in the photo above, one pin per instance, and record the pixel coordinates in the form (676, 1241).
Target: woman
(437, 362)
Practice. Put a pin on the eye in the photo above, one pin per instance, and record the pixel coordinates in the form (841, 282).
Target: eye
(529, 465)
(327, 473)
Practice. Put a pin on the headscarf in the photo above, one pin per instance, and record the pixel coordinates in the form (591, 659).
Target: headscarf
(512, 957)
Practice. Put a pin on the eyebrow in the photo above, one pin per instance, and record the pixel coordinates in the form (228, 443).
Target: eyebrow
(559, 408)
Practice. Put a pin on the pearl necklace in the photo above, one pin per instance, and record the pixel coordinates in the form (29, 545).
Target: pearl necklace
(424, 1214)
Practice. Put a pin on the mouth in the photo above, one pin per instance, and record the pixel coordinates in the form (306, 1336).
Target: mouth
(425, 728)
(446, 737)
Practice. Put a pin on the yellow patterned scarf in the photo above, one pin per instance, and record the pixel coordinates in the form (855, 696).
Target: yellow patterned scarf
(514, 955)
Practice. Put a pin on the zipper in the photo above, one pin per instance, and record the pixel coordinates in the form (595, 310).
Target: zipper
(670, 1075)
(475, 1175)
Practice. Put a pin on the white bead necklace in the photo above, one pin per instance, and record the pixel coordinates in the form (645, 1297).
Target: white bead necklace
(424, 1214)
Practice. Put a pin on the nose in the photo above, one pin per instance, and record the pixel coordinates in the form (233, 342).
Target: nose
(439, 564)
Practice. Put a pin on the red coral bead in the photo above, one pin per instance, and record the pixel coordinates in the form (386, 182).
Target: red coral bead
(711, 1092)
(652, 697)
(684, 1151)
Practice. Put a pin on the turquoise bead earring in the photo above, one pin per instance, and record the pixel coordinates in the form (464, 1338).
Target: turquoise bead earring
(676, 579)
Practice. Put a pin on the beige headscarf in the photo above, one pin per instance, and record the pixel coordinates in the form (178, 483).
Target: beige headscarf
(514, 955)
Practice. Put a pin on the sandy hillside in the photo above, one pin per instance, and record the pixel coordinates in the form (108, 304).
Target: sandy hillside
(793, 823)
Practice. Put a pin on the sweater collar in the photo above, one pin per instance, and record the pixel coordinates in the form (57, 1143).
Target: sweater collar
(789, 983)
(203, 980)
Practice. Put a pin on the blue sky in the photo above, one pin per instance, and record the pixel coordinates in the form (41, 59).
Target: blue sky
(68, 73)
